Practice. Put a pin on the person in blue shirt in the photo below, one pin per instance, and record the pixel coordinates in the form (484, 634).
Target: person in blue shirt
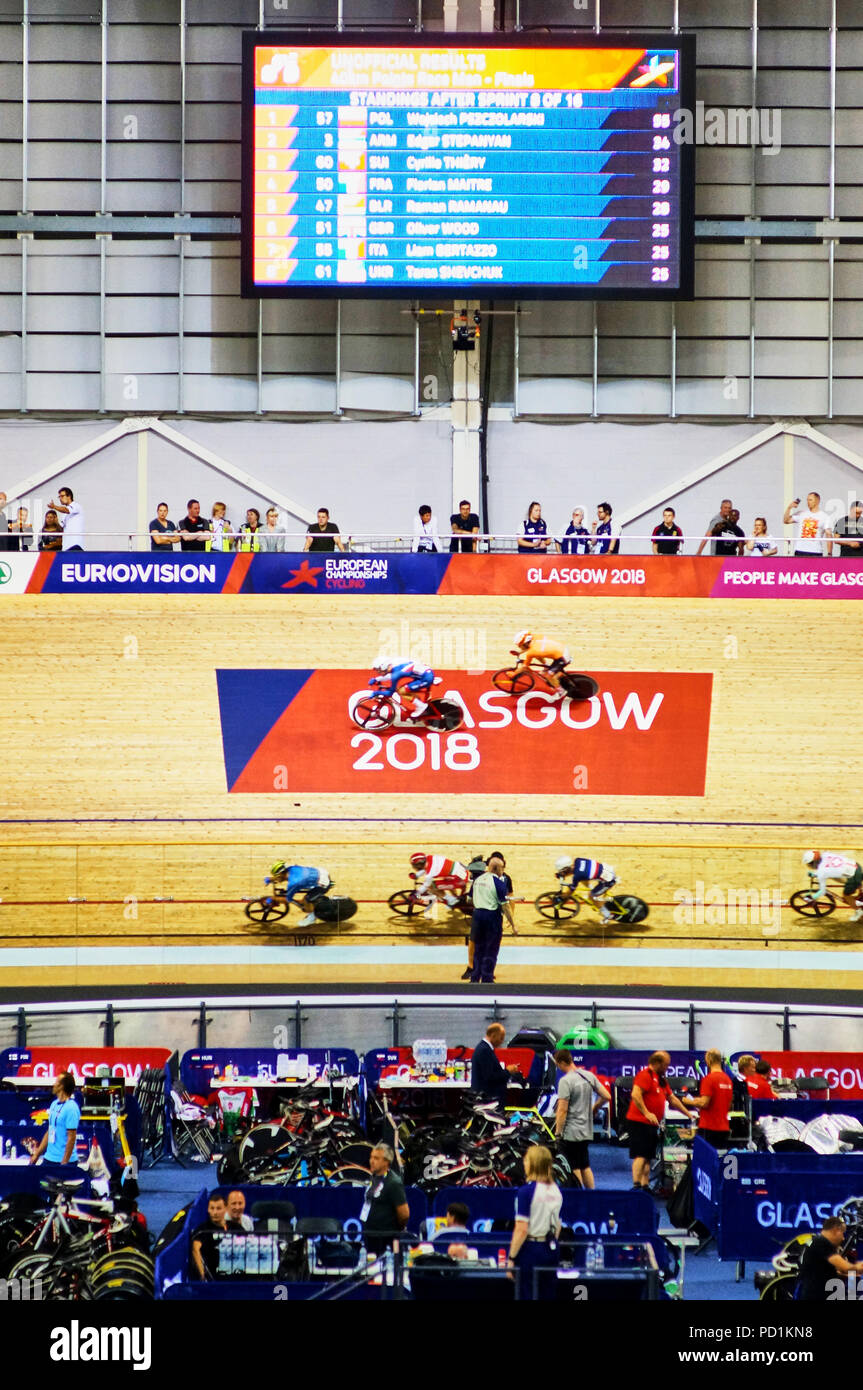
(583, 870)
(576, 539)
(298, 878)
(534, 537)
(411, 680)
(64, 1117)
(606, 532)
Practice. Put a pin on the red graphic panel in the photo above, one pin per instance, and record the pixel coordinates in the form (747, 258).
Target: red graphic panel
(644, 734)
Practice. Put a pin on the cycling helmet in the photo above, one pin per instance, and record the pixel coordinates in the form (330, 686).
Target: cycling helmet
(562, 863)
(381, 664)
(523, 639)
(810, 856)
(418, 859)
(278, 868)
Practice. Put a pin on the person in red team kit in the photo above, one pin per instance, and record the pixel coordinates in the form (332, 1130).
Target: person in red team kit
(650, 1095)
(757, 1084)
(714, 1101)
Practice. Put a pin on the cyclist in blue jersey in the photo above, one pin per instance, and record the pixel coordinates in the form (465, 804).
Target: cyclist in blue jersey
(581, 870)
(296, 878)
(411, 680)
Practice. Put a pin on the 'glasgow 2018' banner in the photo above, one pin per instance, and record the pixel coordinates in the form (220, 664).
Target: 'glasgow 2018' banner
(620, 576)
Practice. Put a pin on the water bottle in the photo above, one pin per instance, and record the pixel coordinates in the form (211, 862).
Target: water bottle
(590, 1261)
(501, 1259)
(599, 1256)
(612, 1223)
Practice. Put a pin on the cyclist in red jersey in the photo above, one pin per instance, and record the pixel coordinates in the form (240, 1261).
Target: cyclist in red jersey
(438, 878)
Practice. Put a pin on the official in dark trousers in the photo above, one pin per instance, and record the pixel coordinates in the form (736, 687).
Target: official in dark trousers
(489, 907)
(488, 1076)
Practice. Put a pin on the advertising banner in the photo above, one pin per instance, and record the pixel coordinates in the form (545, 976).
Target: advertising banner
(46, 1063)
(644, 734)
(843, 1071)
(548, 576)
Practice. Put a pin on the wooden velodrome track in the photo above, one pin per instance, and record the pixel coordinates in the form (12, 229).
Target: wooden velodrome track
(114, 792)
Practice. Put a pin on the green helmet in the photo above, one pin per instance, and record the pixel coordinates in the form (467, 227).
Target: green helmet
(278, 868)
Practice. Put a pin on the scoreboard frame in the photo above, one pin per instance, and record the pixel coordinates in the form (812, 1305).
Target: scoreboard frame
(683, 43)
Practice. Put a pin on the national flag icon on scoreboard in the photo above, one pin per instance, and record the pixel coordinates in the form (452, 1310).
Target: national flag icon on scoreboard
(351, 272)
(355, 184)
(352, 116)
(351, 227)
(352, 249)
(351, 160)
(351, 205)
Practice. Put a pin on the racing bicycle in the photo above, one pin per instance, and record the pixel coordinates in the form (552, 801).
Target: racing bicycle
(407, 902)
(807, 904)
(275, 907)
(777, 1285)
(379, 711)
(565, 902)
(518, 680)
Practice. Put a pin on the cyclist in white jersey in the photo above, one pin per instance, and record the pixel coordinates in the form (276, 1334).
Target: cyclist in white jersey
(828, 866)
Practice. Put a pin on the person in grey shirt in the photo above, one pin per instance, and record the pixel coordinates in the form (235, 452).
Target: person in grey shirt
(272, 535)
(724, 514)
(579, 1094)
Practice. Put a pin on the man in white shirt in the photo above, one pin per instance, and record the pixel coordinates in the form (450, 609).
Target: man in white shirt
(839, 867)
(73, 525)
(812, 526)
(426, 538)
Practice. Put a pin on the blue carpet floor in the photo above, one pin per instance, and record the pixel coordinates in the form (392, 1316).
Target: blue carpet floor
(167, 1187)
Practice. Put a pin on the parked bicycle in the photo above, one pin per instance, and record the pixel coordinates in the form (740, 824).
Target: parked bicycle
(777, 1285)
(564, 903)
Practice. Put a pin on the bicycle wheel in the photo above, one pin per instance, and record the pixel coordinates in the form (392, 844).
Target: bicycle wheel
(443, 714)
(334, 909)
(404, 903)
(779, 1290)
(373, 712)
(262, 1141)
(512, 681)
(123, 1288)
(632, 909)
(350, 1175)
(267, 909)
(803, 902)
(555, 907)
(579, 687)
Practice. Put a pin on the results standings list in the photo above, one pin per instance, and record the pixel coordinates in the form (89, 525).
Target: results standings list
(445, 168)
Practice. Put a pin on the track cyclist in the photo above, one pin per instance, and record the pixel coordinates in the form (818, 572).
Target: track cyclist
(828, 865)
(411, 680)
(296, 878)
(551, 656)
(438, 878)
(583, 870)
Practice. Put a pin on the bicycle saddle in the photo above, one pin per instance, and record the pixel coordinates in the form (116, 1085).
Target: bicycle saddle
(58, 1185)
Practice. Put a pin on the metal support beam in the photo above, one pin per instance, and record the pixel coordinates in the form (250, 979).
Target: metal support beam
(786, 1026)
(299, 1020)
(103, 108)
(25, 101)
(181, 328)
(202, 1022)
(238, 475)
(109, 1026)
(142, 523)
(21, 1026)
(182, 106)
(396, 1017)
(24, 242)
(103, 284)
(704, 470)
(67, 461)
(337, 404)
(259, 358)
(594, 392)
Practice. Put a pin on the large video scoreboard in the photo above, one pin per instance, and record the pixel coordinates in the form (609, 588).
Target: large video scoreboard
(503, 165)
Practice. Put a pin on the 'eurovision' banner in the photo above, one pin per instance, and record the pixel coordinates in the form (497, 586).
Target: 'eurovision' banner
(644, 734)
(647, 576)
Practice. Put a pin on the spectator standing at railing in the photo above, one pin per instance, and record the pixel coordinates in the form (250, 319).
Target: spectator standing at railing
(52, 532)
(464, 525)
(163, 533)
(323, 535)
(667, 538)
(724, 514)
(849, 531)
(426, 539)
(534, 532)
(73, 526)
(273, 535)
(605, 531)
(760, 543)
(576, 538)
(5, 542)
(729, 539)
(812, 526)
(22, 530)
(249, 538)
(223, 531)
(194, 529)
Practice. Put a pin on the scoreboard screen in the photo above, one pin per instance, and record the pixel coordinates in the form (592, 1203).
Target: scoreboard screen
(432, 165)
